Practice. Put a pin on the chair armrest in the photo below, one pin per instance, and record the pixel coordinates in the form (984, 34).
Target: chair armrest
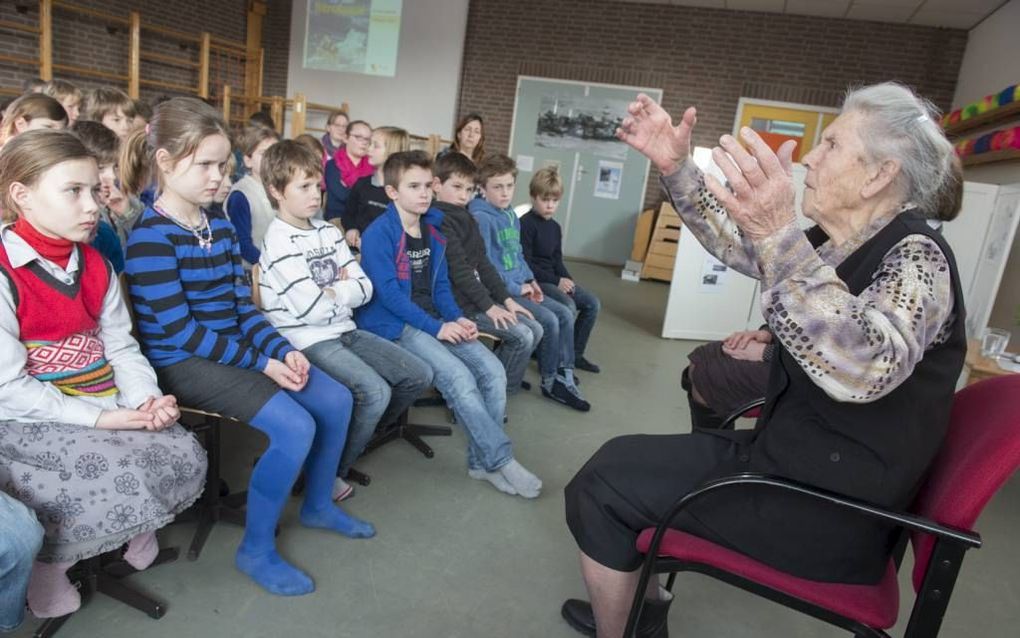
(728, 421)
(897, 519)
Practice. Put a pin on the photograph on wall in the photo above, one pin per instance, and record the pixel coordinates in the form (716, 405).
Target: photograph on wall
(353, 36)
(713, 275)
(578, 123)
(608, 179)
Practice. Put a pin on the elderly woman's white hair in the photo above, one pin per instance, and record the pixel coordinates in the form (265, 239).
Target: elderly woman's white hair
(903, 126)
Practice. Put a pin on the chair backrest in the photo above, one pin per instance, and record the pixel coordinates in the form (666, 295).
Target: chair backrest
(522, 209)
(981, 451)
(256, 292)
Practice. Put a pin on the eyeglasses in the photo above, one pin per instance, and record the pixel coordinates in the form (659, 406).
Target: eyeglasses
(364, 139)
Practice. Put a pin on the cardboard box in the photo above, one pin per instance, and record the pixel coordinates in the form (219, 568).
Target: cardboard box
(642, 235)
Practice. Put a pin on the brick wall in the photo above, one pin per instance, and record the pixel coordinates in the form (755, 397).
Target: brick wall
(709, 58)
(90, 42)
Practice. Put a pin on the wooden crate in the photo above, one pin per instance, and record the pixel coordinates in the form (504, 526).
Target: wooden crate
(662, 249)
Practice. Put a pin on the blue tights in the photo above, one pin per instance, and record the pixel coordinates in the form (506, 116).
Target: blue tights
(306, 428)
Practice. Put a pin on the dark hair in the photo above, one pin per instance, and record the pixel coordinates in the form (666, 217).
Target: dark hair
(479, 153)
(335, 114)
(25, 158)
(33, 85)
(453, 163)
(179, 125)
(31, 106)
(399, 163)
(102, 143)
(494, 165)
(261, 118)
(286, 160)
(351, 125)
(143, 110)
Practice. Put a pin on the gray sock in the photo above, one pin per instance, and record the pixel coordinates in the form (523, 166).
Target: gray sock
(547, 382)
(495, 478)
(527, 484)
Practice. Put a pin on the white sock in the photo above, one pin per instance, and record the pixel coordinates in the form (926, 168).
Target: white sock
(527, 484)
(495, 478)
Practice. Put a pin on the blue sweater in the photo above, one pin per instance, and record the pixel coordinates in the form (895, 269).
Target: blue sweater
(240, 217)
(384, 260)
(501, 231)
(107, 243)
(193, 303)
(336, 192)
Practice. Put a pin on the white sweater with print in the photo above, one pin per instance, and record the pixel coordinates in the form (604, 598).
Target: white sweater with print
(298, 267)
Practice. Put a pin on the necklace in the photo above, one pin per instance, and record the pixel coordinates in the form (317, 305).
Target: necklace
(201, 231)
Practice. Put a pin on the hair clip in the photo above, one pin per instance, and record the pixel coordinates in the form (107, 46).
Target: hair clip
(148, 128)
(923, 117)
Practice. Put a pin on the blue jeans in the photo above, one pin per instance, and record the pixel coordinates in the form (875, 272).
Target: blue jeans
(21, 536)
(585, 305)
(473, 382)
(557, 347)
(384, 378)
(517, 342)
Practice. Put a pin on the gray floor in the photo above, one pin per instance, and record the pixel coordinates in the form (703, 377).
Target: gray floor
(455, 558)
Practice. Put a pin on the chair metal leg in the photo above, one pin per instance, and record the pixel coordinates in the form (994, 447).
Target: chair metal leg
(411, 433)
(358, 477)
(50, 627)
(114, 588)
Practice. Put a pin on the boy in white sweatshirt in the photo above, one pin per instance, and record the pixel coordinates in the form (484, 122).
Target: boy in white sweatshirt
(310, 286)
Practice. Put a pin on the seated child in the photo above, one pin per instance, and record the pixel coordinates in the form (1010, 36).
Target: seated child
(501, 230)
(310, 286)
(542, 240)
(368, 197)
(404, 255)
(216, 351)
(87, 441)
(104, 145)
(30, 112)
(477, 286)
(248, 207)
(68, 95)
(112, 108)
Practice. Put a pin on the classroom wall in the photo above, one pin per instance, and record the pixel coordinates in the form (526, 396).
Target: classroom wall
(705, 57)
(991, 62)
(421, 97)
(85, 41)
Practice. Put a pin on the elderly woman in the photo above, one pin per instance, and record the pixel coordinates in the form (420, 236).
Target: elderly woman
(868, 323)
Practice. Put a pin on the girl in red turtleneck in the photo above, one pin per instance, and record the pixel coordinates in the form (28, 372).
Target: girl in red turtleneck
(87, 440)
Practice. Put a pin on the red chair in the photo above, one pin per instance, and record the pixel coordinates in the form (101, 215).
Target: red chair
(981, 451)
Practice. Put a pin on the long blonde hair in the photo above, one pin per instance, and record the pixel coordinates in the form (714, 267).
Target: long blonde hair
(178, 125)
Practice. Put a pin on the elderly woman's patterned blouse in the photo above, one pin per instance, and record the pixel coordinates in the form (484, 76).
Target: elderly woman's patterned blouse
(863, 346)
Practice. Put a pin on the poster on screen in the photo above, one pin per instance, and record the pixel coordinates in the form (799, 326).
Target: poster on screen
(608, 179)
(713, 276)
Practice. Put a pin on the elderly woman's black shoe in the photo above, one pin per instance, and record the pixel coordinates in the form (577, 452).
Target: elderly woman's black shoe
(653, 622)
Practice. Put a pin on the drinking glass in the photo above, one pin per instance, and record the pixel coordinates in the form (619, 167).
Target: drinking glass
(993, 344)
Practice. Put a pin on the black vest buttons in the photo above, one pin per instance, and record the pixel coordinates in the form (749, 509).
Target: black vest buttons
(834, 457)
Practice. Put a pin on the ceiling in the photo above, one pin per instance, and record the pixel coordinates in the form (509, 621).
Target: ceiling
(956, 14)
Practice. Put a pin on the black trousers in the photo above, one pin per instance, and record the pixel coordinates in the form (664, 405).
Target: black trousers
(631, 483)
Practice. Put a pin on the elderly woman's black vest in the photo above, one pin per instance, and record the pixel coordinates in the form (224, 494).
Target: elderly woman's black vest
(877, 451)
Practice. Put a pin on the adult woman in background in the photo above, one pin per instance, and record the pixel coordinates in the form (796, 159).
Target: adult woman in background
(868, 320)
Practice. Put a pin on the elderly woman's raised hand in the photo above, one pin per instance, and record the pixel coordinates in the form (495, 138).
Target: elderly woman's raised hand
(761, 197)
(649, 129)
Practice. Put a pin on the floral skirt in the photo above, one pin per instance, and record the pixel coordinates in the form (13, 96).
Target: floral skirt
(93, 490)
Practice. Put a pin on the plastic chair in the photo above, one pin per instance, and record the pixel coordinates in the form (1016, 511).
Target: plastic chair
(981, 451)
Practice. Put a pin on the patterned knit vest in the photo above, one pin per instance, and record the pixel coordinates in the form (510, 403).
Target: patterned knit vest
(59, 323)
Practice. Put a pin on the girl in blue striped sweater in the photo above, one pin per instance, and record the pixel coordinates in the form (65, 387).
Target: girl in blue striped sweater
(212, 347)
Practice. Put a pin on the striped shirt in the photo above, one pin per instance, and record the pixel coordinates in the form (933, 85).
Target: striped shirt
(193, 303)
(298, 267)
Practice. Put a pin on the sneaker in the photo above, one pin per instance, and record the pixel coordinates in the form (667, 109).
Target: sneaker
(581, 363)
(342, 490)
(562, 376)
(561, 393)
